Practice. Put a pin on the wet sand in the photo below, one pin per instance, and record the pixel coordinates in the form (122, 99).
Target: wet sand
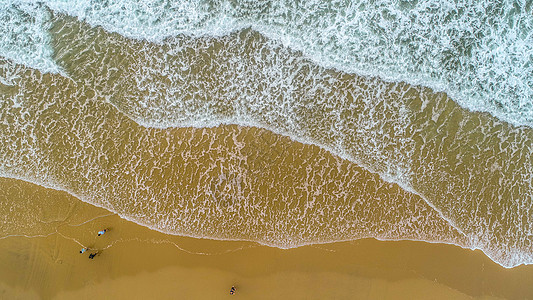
(138, 263)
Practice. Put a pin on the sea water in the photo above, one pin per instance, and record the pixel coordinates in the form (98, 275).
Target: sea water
(94, 94)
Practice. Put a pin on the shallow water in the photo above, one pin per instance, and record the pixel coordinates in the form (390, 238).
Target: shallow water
(385, 160)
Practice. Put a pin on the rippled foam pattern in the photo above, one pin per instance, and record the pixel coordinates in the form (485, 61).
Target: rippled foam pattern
(445, 174)
(226, 183)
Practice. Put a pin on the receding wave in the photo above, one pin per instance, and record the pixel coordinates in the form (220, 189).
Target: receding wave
(451, 175)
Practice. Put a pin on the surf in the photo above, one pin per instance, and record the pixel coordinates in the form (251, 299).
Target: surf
(476, 52)
(393, 129)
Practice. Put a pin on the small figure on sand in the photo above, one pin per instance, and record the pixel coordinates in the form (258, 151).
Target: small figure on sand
(232, 290)
(102, 232)
(92, 255)
(84, 249)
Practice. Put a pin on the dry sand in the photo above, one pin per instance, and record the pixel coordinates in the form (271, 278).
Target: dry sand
(138, 263)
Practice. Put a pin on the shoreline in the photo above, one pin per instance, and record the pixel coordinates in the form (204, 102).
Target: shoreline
(77, 197)
(137, 262)
(125, 218)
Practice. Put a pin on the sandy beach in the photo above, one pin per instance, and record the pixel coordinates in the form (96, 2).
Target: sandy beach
(289, 149)
(135, 262)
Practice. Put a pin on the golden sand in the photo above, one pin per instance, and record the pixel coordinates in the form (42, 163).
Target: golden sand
(138, 263)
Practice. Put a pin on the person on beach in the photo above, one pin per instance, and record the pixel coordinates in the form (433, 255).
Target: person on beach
(101, 232)
(92, 255)
(232, 290)
(84, 249)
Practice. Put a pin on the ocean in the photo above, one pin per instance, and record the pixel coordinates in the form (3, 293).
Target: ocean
(282, 122)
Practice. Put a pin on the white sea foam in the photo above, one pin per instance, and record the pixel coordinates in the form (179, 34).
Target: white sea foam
(23, 35)
(480, 52)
